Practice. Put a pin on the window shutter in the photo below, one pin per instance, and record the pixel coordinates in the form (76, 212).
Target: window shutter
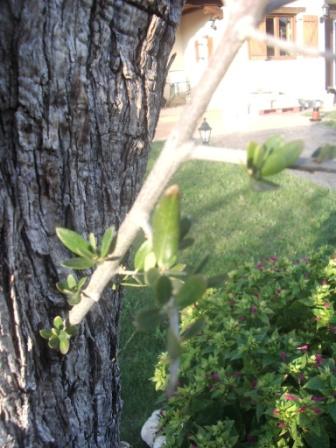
(257, 50)
(197, 50)
(210, 46)
(310, 31)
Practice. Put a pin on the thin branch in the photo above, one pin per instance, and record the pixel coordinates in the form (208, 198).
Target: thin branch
(287, 45)
(238, 157)
(176, 149)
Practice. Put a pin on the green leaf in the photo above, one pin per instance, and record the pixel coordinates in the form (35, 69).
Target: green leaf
(251, 148)
(315, 440)
(193, 329)
(315, 383)
(164, 290)
(53, 342)
(58, 323)
(332, 411)
(74, 298)
(147, 319)
(74, 242)
(166, 228)
(71, 281)
(62, 287)
(81, 283)
(324, 153)
(281, 156)
(150, 261)
(72, 330)
(93, 241)
(141, 254)
(152, 276)
(106, 242)
(192, 290)
(78, 263)
(173, 346)
(45, 334)
(64, 343)
(258, 157)
(216, 281)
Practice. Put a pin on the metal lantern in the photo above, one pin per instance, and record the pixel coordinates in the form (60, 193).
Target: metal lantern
(325, 9)
(205, 132)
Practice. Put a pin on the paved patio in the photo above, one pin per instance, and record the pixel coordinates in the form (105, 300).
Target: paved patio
(291, 126)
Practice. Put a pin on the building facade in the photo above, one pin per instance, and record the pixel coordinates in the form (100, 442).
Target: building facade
(261, 79)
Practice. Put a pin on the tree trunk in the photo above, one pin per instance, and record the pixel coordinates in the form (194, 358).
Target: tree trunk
(80, 91)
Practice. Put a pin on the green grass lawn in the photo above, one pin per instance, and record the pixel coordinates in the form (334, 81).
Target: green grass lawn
(231, 223)
(329, 119)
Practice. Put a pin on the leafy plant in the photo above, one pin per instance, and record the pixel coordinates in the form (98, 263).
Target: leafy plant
(59, 336)
(273, 156)
(264, 362)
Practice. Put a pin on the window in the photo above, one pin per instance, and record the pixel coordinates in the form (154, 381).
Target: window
(203, 49)
(281, 26)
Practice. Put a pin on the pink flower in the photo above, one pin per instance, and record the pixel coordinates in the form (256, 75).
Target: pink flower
(317, 411)
(276, 412)
(291, 397)
(303, 347)
(273, 258)
(318, 359)
(260, 266)
(281, 425)
(326, 305)
(215, 377)
(253, 309)
(302, 409)
(317, 398)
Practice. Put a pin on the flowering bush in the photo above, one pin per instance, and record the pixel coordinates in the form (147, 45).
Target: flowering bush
(262, 370)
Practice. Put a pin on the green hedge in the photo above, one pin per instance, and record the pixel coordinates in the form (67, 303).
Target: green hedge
(262, 371)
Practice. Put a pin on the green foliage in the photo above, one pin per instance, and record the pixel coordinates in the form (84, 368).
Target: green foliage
(233, 224)
(59, 336)
(88, 254)
(166, 228)
(270, 158)
(71, 288)
(324, 153)
(262, 369)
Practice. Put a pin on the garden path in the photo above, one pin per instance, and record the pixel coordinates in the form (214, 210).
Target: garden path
(291, 126)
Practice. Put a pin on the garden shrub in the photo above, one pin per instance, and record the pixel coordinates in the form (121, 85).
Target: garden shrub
(262, 370)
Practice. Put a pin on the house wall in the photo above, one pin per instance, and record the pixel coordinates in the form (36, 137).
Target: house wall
(252, 85)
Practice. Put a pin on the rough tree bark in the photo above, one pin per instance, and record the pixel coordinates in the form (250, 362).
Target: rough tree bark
(80, 91)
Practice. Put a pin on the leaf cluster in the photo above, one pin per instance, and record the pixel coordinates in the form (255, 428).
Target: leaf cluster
(87, 251)
(264, 361)
(59, 335)
(157, 267)
(269, 158)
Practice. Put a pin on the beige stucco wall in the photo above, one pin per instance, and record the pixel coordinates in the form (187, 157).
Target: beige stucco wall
(302, 77)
